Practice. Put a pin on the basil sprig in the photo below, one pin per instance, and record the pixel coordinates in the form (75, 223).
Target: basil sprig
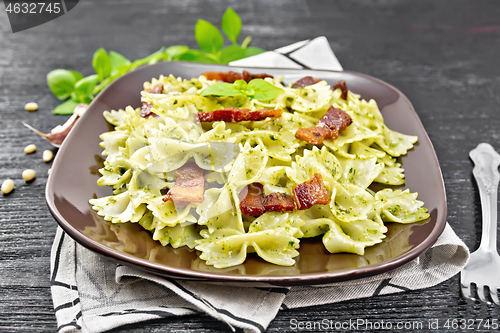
(258, 89)
(74, 88)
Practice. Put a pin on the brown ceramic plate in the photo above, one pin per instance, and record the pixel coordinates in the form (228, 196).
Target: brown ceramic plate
(74, 175)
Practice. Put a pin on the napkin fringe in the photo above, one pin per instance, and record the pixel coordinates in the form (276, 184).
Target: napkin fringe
(62, 267)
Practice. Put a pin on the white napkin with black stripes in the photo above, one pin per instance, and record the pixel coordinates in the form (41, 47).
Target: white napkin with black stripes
(92, 294)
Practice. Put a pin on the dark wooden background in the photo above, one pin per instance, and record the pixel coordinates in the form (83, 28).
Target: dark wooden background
(444, 55)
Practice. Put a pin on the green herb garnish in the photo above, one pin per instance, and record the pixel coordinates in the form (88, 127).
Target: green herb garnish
(258, 89)
(73, 87)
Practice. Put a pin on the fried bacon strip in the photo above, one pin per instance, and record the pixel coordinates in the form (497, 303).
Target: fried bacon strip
(158, 89)
(233, 114)
(278, 202)
(309, 81)
(328, 127)
(231, 76)
(146, 107)
(146, 110)
(310, 193)
(305, 81)
(189, 185)
(253, 202)
(343, 88)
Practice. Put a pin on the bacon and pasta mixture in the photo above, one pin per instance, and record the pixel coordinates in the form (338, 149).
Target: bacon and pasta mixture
(237, 163)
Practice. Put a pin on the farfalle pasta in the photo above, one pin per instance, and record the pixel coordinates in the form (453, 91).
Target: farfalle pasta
(148, 147)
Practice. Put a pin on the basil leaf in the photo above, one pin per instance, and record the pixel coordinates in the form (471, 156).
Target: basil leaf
(231, 24)
(78, 76)
(155, 57)
(240, 84)
(61, 83)
(264, 91)
(117, 61)
(110, 66)
(174, 51)
(232, 53)
(124, 69)
(150, 59)
(221, 89)
(194, 55)
(208, 37)
(66, 108)
(257, 88)
(83, 89)
(102, 64)
(246, 41)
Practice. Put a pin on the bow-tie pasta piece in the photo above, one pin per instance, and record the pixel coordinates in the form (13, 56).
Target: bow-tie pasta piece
(185, 176)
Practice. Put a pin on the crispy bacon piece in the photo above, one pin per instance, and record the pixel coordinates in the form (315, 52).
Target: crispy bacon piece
(233, 114)
(253, 202)
(310, 193)
(146, 107)
(278, 202)
(343, 88)
(158, 89)
(233, 76)
(328, 127)
(189, 185)
(146, 110)
(305, 81)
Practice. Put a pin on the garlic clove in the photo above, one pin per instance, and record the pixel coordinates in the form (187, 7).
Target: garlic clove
(60, 132)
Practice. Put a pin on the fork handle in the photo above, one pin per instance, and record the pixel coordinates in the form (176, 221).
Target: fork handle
(486, 161)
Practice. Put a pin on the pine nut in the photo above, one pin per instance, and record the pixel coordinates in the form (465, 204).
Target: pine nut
(7, 186)
(48, 171)
(31, 106)
(47, 156)
(29, 149)
(29, 174)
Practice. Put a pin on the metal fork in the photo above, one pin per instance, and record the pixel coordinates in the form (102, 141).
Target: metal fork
(483, 268)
